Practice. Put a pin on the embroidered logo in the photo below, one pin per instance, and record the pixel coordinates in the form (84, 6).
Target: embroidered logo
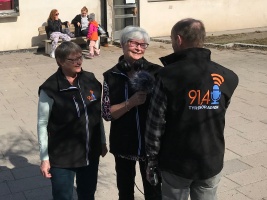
(91, 96)
(207, 100)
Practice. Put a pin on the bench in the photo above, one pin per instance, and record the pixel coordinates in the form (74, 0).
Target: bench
(48, 42)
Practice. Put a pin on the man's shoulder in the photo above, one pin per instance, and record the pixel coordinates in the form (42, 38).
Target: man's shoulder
(227, 74)
(223, 70)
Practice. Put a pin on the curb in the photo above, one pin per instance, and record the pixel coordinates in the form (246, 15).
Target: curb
(33, 50)
(237, 45)
(224, 46)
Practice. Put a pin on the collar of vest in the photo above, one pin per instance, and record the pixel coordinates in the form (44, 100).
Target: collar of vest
(190, 53)
(115, 69)
(63, 83)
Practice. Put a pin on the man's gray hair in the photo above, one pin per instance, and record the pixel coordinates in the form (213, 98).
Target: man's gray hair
(133, 33)
(191, 30)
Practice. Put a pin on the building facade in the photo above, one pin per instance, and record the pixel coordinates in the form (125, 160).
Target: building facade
(19, 20)
(19, 25)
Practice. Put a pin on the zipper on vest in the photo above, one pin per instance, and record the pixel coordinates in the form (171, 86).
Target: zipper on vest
(76, 105)
(87, 125)
(126, 94)
(138, 131)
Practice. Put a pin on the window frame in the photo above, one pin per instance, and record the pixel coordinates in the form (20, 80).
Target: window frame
(14, 12)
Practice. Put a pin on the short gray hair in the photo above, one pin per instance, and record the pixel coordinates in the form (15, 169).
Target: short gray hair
(133, 33)
(65, 49)
(191, 30)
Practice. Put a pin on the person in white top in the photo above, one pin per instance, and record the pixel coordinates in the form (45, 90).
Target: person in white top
(81, 23)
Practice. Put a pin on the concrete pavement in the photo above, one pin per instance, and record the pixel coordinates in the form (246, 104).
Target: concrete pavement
(245, 170)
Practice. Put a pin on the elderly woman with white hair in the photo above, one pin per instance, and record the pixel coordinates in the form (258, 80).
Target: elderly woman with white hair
(126, 108)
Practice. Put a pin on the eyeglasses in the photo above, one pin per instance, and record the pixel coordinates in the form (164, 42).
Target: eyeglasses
(57, 14)
(75, 60)
(136, 44)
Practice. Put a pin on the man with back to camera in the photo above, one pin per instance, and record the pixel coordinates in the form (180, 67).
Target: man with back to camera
(186, 118)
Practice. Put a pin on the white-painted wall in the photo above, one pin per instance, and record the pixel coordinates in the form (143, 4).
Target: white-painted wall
(218, 15)
(156, 17)
(22, 32)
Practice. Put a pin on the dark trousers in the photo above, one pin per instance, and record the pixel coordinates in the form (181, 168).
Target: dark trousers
(86, 180)
(84, 32)
(126, 172)
(79, 32)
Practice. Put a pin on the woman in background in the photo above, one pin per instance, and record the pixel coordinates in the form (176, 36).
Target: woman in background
(81, 23)
(54, 30)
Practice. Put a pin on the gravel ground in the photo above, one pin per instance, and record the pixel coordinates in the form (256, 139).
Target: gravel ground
(257, 37)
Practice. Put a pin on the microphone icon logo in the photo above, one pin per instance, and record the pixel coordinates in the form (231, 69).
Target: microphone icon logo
(216, 93)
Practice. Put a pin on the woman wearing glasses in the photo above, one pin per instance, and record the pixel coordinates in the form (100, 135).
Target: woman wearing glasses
(127, 111)
(54, 30)
(81, 22)
(70, 127)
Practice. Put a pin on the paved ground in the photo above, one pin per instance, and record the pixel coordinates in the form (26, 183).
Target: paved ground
(245, 170)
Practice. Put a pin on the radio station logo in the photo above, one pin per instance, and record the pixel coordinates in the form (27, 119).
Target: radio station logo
(207, 100)
(91, 96)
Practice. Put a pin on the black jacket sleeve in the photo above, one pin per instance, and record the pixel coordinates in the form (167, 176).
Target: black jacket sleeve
(76, 19)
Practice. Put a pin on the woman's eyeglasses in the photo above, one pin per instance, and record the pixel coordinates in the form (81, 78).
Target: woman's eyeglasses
(136, 44)
(56, 14)
(75, 60)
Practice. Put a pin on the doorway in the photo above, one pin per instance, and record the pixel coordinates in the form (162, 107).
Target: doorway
(125, 14)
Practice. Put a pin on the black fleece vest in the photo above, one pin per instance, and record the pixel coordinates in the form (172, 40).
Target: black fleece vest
(74, 134)
(124, 137)
(198, 93)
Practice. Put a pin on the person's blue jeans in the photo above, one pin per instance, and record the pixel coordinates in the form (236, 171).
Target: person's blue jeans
(86, 180)
(178, 188)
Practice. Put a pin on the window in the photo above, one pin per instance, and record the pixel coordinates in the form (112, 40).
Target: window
(9, 8)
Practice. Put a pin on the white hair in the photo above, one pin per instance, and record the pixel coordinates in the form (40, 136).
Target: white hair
(133, 33)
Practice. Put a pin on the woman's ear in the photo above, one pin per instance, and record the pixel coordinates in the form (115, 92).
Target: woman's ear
(124, 47)
(60, 62)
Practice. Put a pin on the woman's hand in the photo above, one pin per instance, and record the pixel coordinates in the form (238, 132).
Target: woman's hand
(137, 99)
(120, 109)
(45, 167)
(78, 24)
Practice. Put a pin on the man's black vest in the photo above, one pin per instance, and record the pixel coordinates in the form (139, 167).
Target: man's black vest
(198, 93)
